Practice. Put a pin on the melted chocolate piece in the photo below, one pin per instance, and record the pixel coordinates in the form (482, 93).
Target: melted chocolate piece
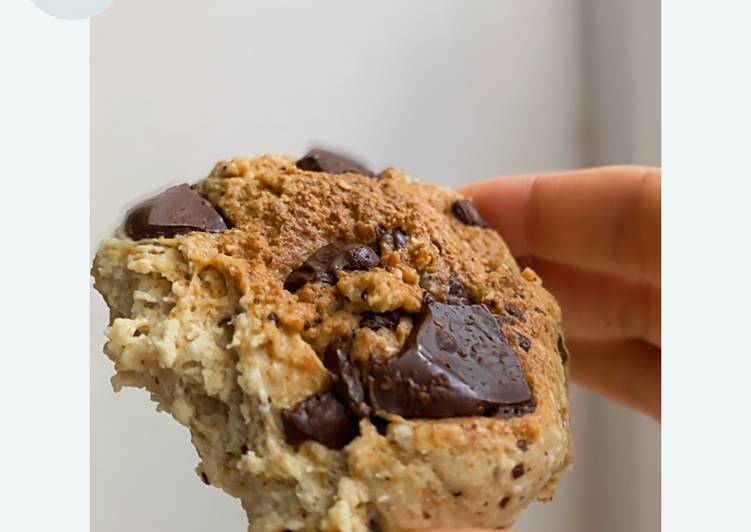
(322, 418)
(175, 211)
(522, 445)
(382, 320)
(517, 471)
(458, 292)
(466, 212)
(346, 377)
(504, 501)
(562, 351)
(318, 160)
(524, 342)
(324, 262)
(455, 362)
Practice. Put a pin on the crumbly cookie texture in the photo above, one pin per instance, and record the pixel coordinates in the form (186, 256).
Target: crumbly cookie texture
(200, 317)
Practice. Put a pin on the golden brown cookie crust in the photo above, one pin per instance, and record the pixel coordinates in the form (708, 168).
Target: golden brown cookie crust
(203, 322)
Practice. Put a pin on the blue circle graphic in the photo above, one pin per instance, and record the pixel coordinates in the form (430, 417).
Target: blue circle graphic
(72, 9)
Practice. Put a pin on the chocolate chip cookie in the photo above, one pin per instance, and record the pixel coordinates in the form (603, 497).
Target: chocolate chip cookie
(350, 350)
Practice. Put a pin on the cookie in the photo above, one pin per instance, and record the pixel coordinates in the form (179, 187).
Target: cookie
(351, 351)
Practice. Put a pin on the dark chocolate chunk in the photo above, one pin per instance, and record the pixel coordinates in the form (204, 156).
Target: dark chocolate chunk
(316, 268)
(504, 501)
(467, 213)
(355, 257)
(522, 445)
(458, 292)
(322, 418)
(380, 424)
(524, 342)
(517, 471)
(456, 493)
(515, 312)
(244, 449)
(318, 160)
(399, 239)
(396, 239)
(380, 320)
(272, 317)
(175, 211)
(205, 478)
(562, 351)
(346, 377)
(455, 362)
(324, 262)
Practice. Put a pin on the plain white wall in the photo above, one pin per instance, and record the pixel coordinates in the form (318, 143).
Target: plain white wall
(449, 90)
(621, 51)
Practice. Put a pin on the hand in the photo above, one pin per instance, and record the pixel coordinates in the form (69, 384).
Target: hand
(593, 236)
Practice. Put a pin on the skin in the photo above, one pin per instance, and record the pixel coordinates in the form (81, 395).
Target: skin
(594, 237)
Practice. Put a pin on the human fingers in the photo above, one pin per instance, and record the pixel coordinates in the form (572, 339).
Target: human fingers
(627, 371)
(600, 218)
(599, 305)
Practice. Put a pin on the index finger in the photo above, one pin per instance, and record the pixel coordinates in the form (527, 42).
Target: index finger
(605, 219)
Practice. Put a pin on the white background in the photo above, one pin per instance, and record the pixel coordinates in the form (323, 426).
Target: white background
(44, 265)
(450, 91)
